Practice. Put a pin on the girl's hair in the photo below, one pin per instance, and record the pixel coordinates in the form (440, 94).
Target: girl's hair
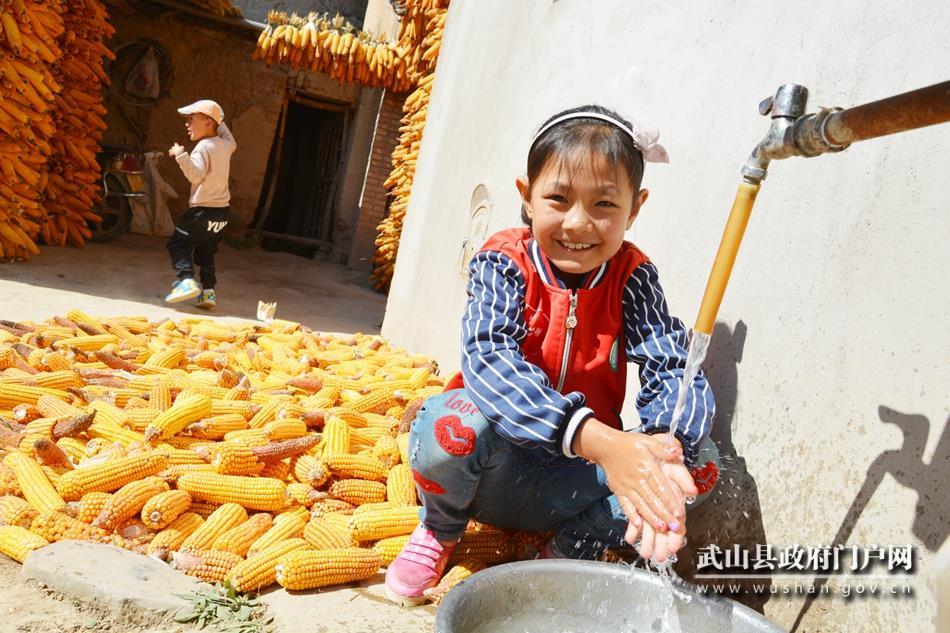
(569, 140)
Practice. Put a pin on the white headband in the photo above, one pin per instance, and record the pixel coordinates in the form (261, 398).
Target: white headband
(643, 138)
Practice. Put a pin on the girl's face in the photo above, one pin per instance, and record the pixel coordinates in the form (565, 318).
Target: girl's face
(199, 126)
(579, 213)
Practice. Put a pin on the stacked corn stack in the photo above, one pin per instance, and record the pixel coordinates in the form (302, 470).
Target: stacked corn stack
(219, 7)
(241, 453)
(428, 18)
(335, 47)
(73, 187)
(28, 50)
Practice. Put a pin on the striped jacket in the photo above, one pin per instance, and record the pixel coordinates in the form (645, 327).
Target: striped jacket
(522, 401)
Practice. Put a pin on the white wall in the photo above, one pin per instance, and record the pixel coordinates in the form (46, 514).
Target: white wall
(841, 279)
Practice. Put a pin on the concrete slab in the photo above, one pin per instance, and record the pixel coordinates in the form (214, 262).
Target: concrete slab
(109, 577)
(131, 275)
(361, 608)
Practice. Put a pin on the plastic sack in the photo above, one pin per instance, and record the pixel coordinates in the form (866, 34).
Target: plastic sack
(143, 79)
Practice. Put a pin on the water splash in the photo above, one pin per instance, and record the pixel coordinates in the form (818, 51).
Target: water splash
(698, 344)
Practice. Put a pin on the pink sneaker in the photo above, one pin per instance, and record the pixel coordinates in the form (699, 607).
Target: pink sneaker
(418, 567)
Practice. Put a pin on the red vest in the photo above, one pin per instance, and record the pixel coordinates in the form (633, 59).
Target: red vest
(592, 353)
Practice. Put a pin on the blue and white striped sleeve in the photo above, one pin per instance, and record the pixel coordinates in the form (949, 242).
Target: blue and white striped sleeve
(513, 394)
(658, 343)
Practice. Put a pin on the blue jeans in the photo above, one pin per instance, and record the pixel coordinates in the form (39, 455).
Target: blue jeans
(464, 470)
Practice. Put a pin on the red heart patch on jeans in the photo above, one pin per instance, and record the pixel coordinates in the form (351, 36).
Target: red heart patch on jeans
(456, 438)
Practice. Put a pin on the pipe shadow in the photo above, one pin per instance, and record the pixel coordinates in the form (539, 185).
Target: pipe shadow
(906, 465)
(732, 514)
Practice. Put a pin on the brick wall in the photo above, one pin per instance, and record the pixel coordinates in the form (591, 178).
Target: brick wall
(373, 199)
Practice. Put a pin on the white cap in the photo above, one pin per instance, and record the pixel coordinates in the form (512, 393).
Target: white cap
(206, 107)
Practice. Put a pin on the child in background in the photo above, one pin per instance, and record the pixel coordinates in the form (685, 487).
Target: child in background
(199, 231)
(529, 435)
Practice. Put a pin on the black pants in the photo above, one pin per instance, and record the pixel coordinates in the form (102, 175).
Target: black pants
(198, 233)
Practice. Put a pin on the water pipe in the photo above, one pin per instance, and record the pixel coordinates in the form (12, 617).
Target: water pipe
(794, 133)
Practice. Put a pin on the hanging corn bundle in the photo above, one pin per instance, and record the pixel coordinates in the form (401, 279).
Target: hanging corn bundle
(73, 185)
(28, 35)
(335, 47)
(425, 18)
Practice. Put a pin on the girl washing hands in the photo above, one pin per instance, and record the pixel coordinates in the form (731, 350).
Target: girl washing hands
(528, 436)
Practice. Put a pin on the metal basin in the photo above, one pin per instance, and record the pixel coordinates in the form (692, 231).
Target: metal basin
(570, 596)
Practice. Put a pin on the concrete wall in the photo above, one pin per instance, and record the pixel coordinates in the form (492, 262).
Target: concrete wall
(209, 63)
(832, 347)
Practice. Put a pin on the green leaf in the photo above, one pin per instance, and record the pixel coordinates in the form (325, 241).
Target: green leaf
(183, 617)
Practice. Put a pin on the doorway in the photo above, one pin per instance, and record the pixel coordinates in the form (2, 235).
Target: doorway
(298, 213)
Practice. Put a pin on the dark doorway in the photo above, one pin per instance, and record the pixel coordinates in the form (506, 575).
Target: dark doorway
(299, 210)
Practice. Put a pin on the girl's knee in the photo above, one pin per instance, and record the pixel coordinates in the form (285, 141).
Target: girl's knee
(447, 425)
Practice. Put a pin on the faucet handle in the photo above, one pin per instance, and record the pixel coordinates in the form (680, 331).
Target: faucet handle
(765, 106)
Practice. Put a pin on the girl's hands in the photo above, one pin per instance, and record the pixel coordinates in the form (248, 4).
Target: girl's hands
(633, 464)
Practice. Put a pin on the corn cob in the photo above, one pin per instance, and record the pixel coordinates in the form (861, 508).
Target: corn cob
(359, 466)
(215, 427)
(260, 569)
(56, 526)
(128, 501)
(490, 546)
(310, 569)
(358, 491)
(400, 487)
(255, 493)
(220, 521)
(376, 521)
(91, 505)
(459, 572)
(286, 525)
(185, 411)
(17, 542)
(336, 438)
(389, 548)
(310, 470)
(16, 511)
(208, 565)
(324, 507)
(111, 475)
(240, 538)
(285, 429)
(323, 534)
(34, 483)
(204, 509)
(174, 534)
(159, 511)
(233, 458)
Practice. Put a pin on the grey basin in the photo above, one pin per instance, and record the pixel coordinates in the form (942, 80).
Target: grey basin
(569, 596)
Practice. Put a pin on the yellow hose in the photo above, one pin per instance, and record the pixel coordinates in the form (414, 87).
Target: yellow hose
(726, 256)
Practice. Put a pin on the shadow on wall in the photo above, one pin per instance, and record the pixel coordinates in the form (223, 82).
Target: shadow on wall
(732, 515)
(931, 520)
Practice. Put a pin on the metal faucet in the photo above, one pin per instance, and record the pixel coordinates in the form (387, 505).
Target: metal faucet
(792, 133)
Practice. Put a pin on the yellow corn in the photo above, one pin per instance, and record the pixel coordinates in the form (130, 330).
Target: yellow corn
(204, 508)
(8, 481)
(310, 569)
(257, 493)
(185, 411)
(174, 534)
(324, 507)
(207, 565)
(310, 470)
(220, 521)
(360, 466)
(239, 538)
(159, 511)
(267, 413)
(215, 427)
(11, 395)
(128, 501)
(488, 545)
(388, 548)
(112, 433)
(87, 343)
(336, 438)
(358, 491)
(286, 525)
(57, 526)
(86, 323)
(459, 572)
(91, 505)
(324, 534)
(285, 429)
(110, 475)
(160, 397)
(234, 458)
(260, 569)
(168, 358)
(375, 521)
(16, 511)
(400, 487)
(74, 448)
(16, 542)
(35, 484)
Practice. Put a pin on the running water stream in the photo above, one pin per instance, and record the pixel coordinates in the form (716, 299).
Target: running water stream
(698, 344)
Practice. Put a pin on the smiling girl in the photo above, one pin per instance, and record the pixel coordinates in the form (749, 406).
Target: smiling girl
(528, 436)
